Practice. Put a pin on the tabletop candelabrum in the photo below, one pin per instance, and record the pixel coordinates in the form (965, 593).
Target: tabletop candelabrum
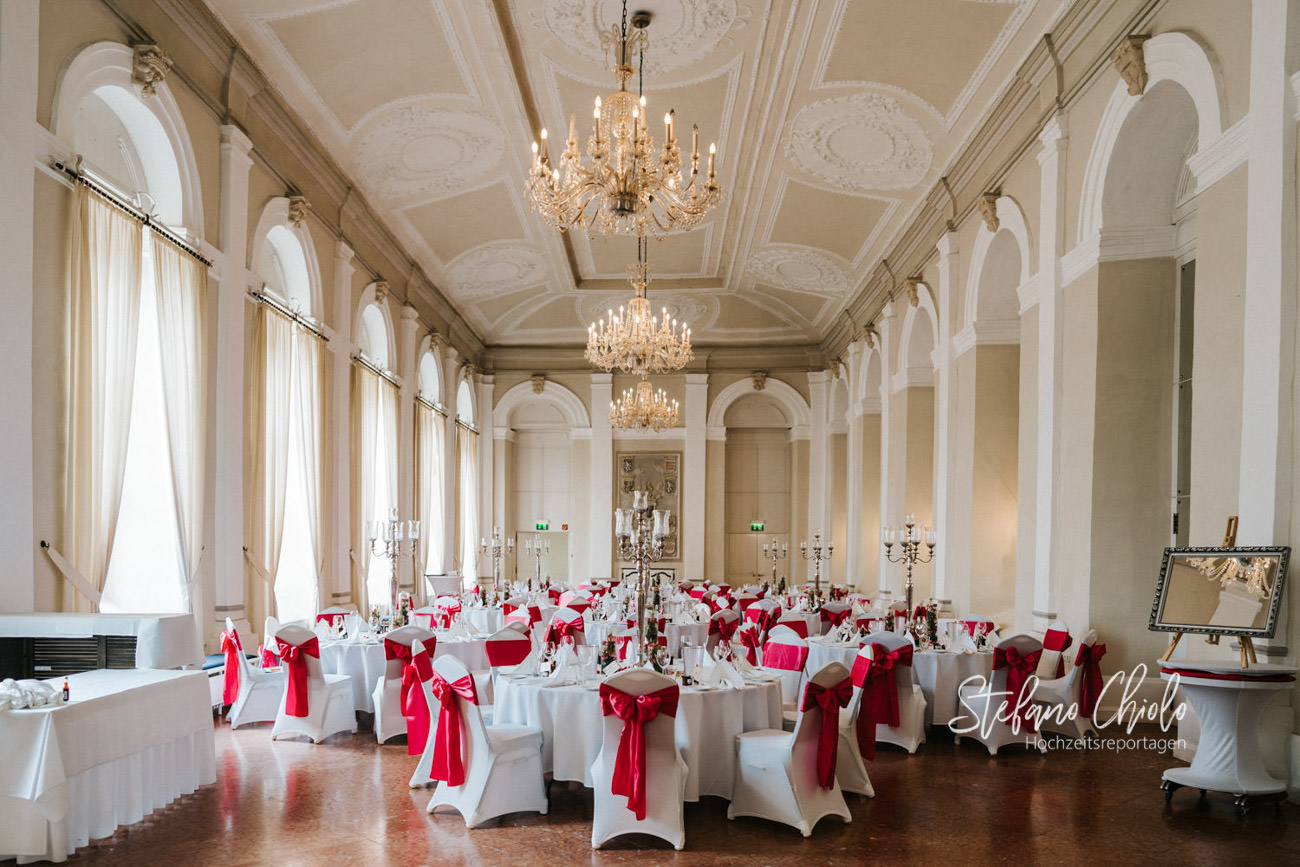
(640, 532)
(498, 551)
(392, 539)
(909, 539)
(775, 552)
(535, 548)
(817, 553)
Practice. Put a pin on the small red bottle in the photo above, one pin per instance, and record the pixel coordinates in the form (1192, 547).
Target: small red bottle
(65, 689)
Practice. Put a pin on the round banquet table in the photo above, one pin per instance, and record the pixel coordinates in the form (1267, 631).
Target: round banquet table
(939, 673)
(695, 633)
(485, 620)
(707, 723)
(363, 661)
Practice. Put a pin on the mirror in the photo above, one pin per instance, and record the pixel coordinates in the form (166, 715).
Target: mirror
(1220, 591)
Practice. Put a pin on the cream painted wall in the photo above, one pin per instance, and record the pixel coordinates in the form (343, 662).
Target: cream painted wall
(868, 565)
(994, 510)
(1027, 468)
(838, 488)
(919, 480)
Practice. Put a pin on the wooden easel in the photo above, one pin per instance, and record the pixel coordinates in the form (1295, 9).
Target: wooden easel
(1244, 644)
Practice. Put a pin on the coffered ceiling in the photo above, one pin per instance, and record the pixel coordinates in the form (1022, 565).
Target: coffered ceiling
(833, 118)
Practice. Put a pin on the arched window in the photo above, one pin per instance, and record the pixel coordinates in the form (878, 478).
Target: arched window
(286, 540)
(467, 480)
(430, 435)
(375, 464)
(132, 521)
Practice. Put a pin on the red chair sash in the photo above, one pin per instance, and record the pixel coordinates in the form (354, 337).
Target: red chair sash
(630, 771)
(697, 593)
(295, 664)
(506, 652)
(333, 618)
(786, 657)
(1020, 668)
(565, 630)
(423, 618)
(835, 618)
(231, 648)
(978, 627)
(750, 640)
(622, 643)
(554, 594)
(1090, 658)
(830, 699)
(799, 626)
(268, 657)
(879, 683)
(414, 708)
(1058, 640)
(448, 742)
(723, 628)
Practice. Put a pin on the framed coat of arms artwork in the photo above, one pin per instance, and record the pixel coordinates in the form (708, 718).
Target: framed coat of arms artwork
(659, 474)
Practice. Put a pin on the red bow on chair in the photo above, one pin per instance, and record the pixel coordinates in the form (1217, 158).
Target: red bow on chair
(295, 664)
(1058, 640)
(835, 618)
(267, 655)
(448, 741)
(415, 709)
(1090, 658)
(1020, 667)
(723, 628)
(630, 771)
(565, 630)
(879, 686)
(749, 639)
(231, 648)
(830, 699)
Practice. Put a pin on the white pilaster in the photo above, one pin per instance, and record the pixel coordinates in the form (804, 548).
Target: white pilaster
(19, 53)
(1051, 231)
(602, 478)
(819, 452)
(450, 459)
(484, 388)
(227, 418)
(408, 339)
(340, 429)
(1264, 497)
(945, 411)
(891, 471)
(691, 520)
(853, 517)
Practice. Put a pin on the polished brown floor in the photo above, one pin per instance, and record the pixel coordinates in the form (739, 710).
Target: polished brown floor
(347, 802)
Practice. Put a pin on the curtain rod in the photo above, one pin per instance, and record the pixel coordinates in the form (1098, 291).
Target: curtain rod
(373, 368)
(292, 315)
(433, 405)
(467, 426)
(131, 210)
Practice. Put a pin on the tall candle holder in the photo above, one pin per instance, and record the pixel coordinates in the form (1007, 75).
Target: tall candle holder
(909, 538)
(389, 539)
(498, 551)
(535, 548)
(775, 552)
(640, 532)
(816, 553)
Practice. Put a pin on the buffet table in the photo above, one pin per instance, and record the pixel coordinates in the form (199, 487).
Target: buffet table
(162, 640)
(129, 742)
(707, 723)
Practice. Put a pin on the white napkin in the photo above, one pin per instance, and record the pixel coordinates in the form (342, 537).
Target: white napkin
(529, 665)
(701, 610)
(992, 638)
(724, 675)
(28, 693)
(965, 643)
(321, 629)
(616, 666)
(458, 630)
(566, 666)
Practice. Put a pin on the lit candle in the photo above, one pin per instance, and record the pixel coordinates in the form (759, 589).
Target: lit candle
(573, 133)
(668, 124)
(374, 530)
(713, 149)
(695, 141)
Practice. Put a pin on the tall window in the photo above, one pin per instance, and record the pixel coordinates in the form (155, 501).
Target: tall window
(430, 435)
(467, 482)
(377, 456)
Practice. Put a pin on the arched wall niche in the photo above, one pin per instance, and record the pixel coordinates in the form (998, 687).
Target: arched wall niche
(280, 248)
(565, 402)
(373, 327)
(796, 408)
(920, 336)
(999, 265)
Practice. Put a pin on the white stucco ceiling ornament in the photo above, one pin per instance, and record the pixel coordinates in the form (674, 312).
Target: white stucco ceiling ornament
(418, 151)
(866, 141)
(798, 268)
(681, 32)
(696, 311)
(501, 266)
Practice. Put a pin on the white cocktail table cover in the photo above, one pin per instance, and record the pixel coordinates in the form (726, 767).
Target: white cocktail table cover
(129, 742)
(162, 640)
(707, 724)
(364, 662)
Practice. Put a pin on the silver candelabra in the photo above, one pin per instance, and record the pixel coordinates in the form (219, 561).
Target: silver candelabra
(817, 553)
(640, 532)
(536, 547)
(498, 551)
(387, 539)
(775, 552)
(909, 538)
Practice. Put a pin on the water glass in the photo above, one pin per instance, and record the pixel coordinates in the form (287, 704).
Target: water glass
(587, 660)
(691, 657)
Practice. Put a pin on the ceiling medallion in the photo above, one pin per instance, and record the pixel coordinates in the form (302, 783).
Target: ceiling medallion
(691, 30)
(418, 151)
(634, 339)
(861, 142)
(798, 268)
(494, 268)
(623, 188)
(643, 408)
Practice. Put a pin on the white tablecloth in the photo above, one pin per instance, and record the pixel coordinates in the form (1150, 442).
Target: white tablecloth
(707, 724)
(485, 620)
(162, 640)
(129, 742)
(364, 662)
(696, 633)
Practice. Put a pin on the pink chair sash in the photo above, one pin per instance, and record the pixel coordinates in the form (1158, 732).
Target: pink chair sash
(630, 771)
(416, 670)
(506, 652)
(1090, 658)
(830, 699)
(879, 685)
(1020, 667)
(295, 664)
(231, 648)
(1058, 640)
(580, 605)
(448, 761)
(565, 630)
(786, 657)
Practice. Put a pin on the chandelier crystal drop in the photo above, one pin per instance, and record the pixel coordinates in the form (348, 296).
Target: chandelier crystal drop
(633, 339)
(643, 408)
(623, 188)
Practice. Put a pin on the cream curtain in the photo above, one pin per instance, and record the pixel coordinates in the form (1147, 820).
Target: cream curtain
(309, 400)
(272, 385)
(467, 482)
(430, 429)
(181, 282)
(104, 305)
(365, 390)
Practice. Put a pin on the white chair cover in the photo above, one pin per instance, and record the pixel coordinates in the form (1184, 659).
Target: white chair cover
(776, 771)
(777, 661)
(666, 772)
(1060, 693)
(387, 694)
(910, 731)
(329, 704)
(1056, 641)
(726, 616)
(259, 692)
(988, 729)
(269, 630)
(569, 615)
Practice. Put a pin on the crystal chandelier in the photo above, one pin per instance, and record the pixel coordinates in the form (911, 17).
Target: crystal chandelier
(643, 408)
(633, 339)
(623, 189)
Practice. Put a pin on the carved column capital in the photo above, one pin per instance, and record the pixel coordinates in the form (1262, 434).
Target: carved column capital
(149, 67)
(988, 205)
(1130, 61)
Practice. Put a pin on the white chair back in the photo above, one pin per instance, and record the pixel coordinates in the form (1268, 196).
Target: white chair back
(406, 635)
(890, 641)
(807, 729)
(1056, 641)
(451, 670)
(569, 615)
(796, 622)
(269, 630)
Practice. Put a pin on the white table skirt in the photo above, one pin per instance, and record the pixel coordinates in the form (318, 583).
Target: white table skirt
(162, 640)
(706, 725)
(129, 742)
(364, 662)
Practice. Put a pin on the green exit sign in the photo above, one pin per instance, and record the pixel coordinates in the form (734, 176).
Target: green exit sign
(756, 526)
(543, 525)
